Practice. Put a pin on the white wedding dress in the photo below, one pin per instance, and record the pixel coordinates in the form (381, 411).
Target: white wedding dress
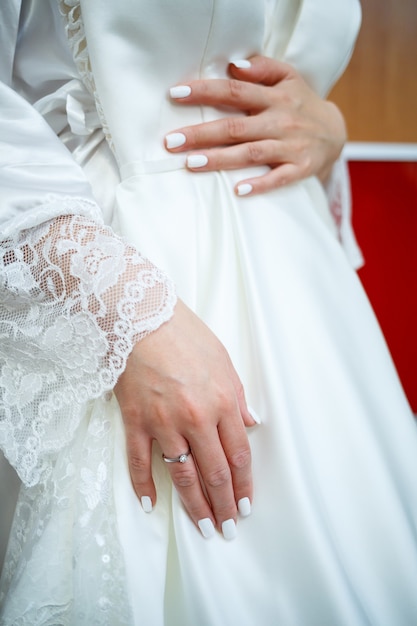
(332, 538)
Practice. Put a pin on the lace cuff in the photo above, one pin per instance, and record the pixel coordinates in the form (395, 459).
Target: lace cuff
(74, 299)
(338, 194)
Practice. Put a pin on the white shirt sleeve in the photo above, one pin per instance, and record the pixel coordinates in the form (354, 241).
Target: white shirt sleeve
(74, 297)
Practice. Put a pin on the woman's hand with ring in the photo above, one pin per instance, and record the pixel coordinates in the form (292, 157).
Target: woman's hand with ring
(277, 120)
(180, 389)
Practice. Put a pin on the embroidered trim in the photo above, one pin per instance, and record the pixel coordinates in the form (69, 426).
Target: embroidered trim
(74, 28)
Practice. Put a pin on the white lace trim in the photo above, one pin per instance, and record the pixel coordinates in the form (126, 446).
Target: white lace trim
(64, 564)
(74, 28)
(53, 206)
(338, 194)
(74, 298)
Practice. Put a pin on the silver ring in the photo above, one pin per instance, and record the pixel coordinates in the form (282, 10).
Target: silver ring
(177, 459)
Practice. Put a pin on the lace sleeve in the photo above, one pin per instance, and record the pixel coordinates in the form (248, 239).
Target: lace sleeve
(74, 298)
(339, 197)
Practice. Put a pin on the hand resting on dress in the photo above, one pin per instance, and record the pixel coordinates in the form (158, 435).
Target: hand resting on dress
(287, 126)
(180, 388)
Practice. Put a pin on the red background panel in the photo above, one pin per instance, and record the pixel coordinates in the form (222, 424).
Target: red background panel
(384, 198)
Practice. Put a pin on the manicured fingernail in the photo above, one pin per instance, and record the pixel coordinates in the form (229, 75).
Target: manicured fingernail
(229, 529)
(197, 160)
(244, 507)
(146, 503)
(180, 91)
(244, 189)
(206, 527)
(175, 140)
(242, 64)
(254, 415)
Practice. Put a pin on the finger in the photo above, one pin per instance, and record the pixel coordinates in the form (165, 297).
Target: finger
(139, 453)
(262, 70)
(217, 478)
(186, 480)
(249, 417)
(226, 131)
(242, 155)
(279, 176)
(233, 93)
(236, 447)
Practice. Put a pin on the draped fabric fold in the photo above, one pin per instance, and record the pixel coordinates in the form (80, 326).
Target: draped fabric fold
(9, 28)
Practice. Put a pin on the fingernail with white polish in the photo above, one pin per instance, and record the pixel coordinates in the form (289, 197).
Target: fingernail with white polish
(229, 529)
(206, 527)
(254, 415)
(146, 503)
(197, 160)
(242, 64)
(175, 140)
(180, 91)
(244, 507)
(244, 189)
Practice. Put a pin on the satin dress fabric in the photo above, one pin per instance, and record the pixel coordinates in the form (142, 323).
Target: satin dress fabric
(332, 536)
(336, 451)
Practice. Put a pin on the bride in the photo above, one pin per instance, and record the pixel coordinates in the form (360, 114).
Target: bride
(160, 206)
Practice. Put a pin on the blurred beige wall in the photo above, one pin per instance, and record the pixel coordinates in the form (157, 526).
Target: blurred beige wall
(378, 92)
